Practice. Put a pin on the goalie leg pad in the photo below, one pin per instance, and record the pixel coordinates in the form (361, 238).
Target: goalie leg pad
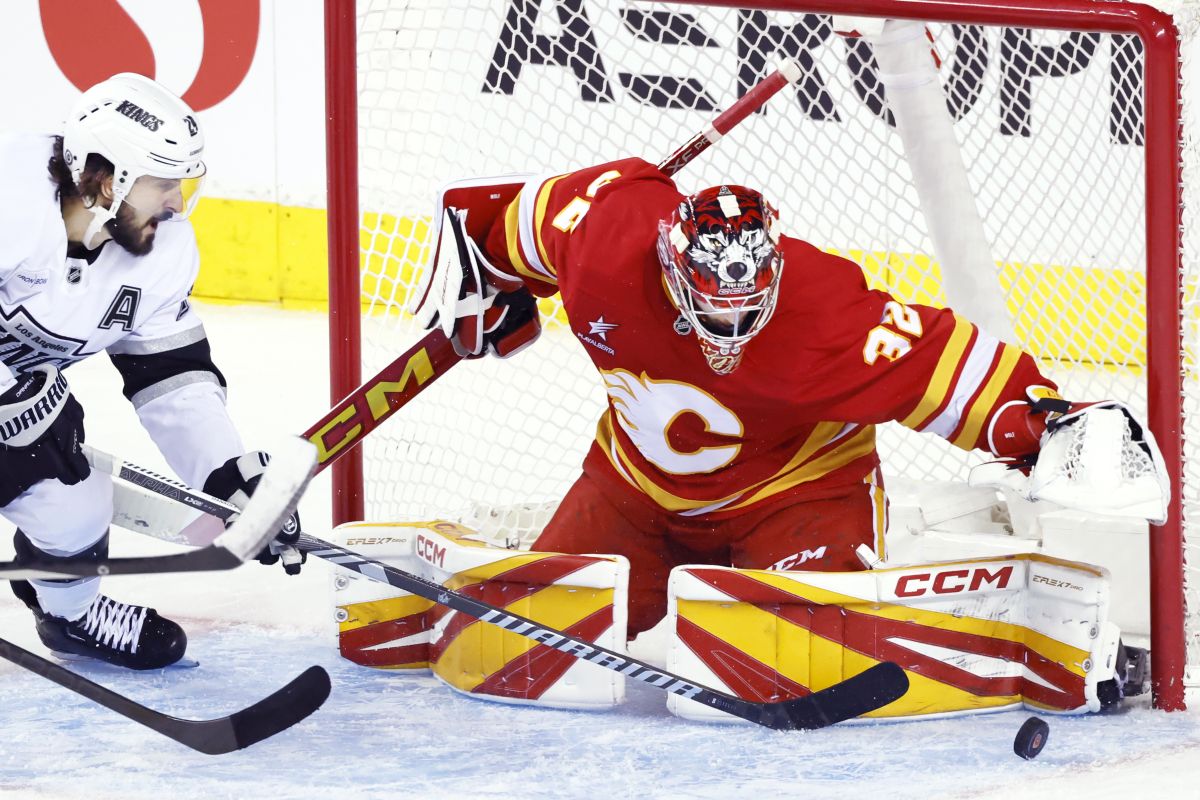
(583, 595)
(973, 636)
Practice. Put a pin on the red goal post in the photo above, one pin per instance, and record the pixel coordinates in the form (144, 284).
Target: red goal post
(1070, 123)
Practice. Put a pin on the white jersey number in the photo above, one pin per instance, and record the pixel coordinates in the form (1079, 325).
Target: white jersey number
(887, 343)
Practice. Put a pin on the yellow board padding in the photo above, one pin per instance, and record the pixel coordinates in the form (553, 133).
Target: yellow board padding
(1060, 312)
(482, 650)
(254, 251)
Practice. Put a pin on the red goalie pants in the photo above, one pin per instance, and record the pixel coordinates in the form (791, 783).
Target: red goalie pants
(805, 534)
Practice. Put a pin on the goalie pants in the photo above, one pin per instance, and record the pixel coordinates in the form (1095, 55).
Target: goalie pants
(807, 534)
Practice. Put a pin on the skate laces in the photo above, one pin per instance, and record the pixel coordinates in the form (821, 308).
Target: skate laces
(115, 624)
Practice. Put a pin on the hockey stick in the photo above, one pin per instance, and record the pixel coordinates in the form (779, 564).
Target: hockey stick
(867, 691)
(278, 492)
(853, 697)
(410, 373)
(303, 695)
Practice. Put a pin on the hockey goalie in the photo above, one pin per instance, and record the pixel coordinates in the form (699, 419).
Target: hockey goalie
(735, 468)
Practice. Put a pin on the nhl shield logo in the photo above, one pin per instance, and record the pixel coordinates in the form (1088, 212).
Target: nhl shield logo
(682, 326)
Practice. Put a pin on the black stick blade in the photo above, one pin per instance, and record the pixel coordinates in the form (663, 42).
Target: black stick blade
(853, 697)
(303, 695)
(283, 709)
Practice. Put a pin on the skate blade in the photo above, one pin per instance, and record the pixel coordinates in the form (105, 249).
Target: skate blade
(76, 658)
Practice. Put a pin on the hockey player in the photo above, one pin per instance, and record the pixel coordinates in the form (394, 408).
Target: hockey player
(740, 428)
(96, 254)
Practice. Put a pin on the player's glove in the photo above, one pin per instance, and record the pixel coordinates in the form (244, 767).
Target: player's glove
(235, 481)
(41, 433)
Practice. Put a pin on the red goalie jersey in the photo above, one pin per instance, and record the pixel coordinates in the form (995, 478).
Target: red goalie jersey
(796, 418)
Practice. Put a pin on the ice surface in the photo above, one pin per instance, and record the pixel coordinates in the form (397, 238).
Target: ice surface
(384, 734)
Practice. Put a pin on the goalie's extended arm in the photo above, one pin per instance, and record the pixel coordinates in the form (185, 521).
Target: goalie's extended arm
(1096, 457)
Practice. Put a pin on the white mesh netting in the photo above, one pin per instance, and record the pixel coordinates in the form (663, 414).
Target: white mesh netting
(1050, 125)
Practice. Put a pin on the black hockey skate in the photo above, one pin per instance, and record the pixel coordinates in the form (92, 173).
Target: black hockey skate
(1132, 677)
(129, 636)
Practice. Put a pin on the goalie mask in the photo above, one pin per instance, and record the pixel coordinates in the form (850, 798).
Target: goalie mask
(148, 135)
(721, 265)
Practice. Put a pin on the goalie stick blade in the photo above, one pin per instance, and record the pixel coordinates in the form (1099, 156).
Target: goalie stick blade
(295, 701)
(853, 697)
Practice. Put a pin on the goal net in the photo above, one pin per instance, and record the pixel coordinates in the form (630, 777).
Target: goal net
(1047, 207)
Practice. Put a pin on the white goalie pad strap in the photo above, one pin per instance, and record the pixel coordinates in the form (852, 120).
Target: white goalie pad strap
(1099, 459)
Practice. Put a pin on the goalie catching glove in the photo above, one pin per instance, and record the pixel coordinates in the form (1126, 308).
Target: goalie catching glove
(480, 308)
(235, 481)
(1094, 457)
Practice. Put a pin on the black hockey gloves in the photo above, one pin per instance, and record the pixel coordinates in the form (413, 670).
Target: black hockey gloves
(41, 431)
(235, 481)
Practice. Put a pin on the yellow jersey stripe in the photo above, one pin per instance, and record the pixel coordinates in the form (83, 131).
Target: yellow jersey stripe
(939, 385)
(512, 237)
(539, 217)
(799, 468)
(857, 446)
(985, 403)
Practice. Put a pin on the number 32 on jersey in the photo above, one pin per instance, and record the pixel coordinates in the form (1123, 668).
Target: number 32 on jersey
(884, 342)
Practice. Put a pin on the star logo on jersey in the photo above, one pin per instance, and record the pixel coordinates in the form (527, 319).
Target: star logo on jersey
(597, 335)
(601, 328)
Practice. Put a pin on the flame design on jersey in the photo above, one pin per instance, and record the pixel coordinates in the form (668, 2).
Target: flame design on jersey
(646, 409)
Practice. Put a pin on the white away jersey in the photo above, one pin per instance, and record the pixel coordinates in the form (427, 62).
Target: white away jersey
(57, 309)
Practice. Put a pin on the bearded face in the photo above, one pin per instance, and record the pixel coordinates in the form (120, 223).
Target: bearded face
(151, 200)
(134, 230)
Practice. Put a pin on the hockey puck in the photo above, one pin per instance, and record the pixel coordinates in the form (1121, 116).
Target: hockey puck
(1031, 738)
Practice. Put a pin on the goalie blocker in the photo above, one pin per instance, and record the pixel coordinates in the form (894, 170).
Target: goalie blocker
(974, 635)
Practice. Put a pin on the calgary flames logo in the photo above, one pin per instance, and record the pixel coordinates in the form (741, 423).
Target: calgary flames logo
(647, 408)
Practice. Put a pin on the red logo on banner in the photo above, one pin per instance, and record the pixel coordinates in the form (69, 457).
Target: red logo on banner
(91, 41)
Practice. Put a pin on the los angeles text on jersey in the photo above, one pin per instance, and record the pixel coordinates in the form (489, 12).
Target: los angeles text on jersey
(24, 343)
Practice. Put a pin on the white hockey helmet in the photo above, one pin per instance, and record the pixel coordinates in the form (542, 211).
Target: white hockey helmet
(142, 129)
